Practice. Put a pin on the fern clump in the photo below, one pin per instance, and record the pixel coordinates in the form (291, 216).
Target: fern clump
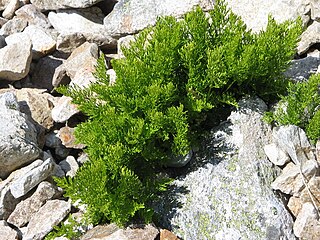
(172, 75)
(301, 107)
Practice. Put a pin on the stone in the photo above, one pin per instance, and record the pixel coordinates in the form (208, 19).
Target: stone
(112, 232)
(66, 134)
(302, 69)
(313, 185)
(295, 205)
(276, 155)
(18, 140)
(293, 141)
(62, 4)
(33, 16)
(42, 43)
(124, 42)
(43, 221)
(318, 151)
(43, 74)
(60, 76)
(24, 184)
(26, 208)
(224, 192)
(10, 9)
(15, 60)
(167, 235)
(131, 16)
(6, 232)
(305, 219)
(309, 37)
(290, 180)
(63, 110)
(81, 23)
(68, 42)
(112, 76)
(255, 13)
(69, 166)
(7, 202)
(4, 4)
(2, 21)
(82, 58)
(315, 10)
(15, 25)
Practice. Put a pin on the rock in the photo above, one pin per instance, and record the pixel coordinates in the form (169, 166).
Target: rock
(112, 76)
(60, 76)
(290, 181)
(26, 208)
(68, 42)
(69, 166)
(131, 16)
(224, 192)
(66, 134)
(7, 202)
(124, 42)
(25, 183)
(44, 71)
(81, 23)
(276, 155)
(83, 158)
(295, 205)
(10, 9)
(112, 232)
(18, 140)
(64, 110)
(318, 150)
(4, 4)
(293, 141)
(167, 235)
(302, 69)
(82, 58)
(15, 60)
(14, 25)
(33, 16)
(309, 37)
(6, 232)
(62, 4)
(315, 10)
(42, 43)
(43, 221)
(2, 21)
(179, 161)
(313, 185)
(306, 221)
(255, 13)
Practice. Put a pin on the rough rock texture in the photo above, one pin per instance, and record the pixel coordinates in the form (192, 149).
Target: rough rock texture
(43, 221)
(295, 205)
(313, 185)
(25, 209)
(276, 155)
(131, 16)
(10, 9)
(12, 26)
(15, 60)
(33, 15)
(309, 37)
(66, 134)
(64, 109)
(6, 232)
(167, 235)
(62, 4)
(301, 69)
(225, 192)
(69, 166)
(18, 140)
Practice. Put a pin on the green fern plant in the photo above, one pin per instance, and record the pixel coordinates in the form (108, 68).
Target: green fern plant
(172, 76)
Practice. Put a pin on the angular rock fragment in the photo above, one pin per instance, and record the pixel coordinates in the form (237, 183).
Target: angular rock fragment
(64, 109)
(6, 232)
(276, 155)
(33, 16)
(66, 134)
(10, 9)
(69, 166)
(309, 37)
(62, 4)
(12, 26)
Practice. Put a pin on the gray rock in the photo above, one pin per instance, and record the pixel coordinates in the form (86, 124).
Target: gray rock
(6, 232)
(7, 202)
(276, 155)
(33, 16)
(313, 186)
(15, 59)
(3, 4)
(302, 69)
(315, 10)
(10, 9)
(179, 161)
(255, 13)
(60, 76)
(225, 191)
(67, 42)
(26, 208)
(2, 21)
(18, 139)
(62, 4)
(14, 25)
(81, 23)
(290, 181)
(309, 37)
(69, 166)
(43, 221)
(63, 110)
(25, 183)
(131, 16)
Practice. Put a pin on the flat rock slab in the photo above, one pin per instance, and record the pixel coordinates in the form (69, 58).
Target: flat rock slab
(49, 215)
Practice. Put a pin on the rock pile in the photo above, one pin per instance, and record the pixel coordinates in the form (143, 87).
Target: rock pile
(44, 44)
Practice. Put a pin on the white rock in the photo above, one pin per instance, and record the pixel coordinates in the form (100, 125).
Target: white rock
(306, 215)
(26, 208)
(25, 183)
(12, 26)
(43, 221)
(67, 42)
(61, 4)
(4, 4)
(6, 232)
(10, 9)
(112, 76)
(290, 180)
(309, 37)
(64, 109)
(124, 42)
(276, 155)
(69, 166)
(33, 16)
